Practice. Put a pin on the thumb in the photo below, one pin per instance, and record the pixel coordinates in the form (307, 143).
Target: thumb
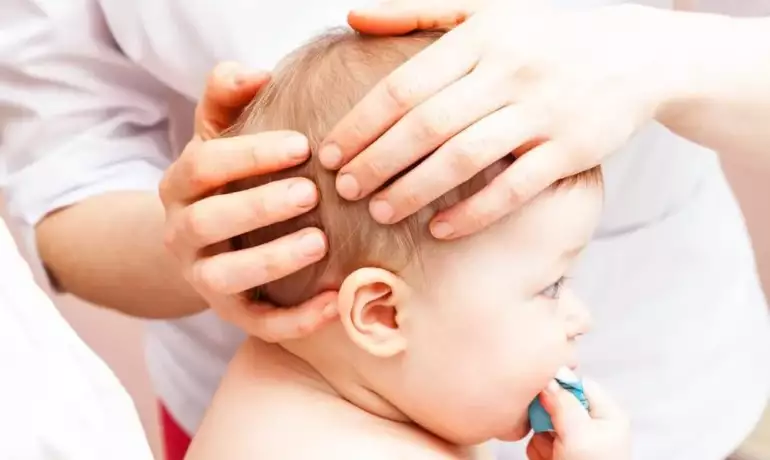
(229, 88)
(398, 17)
(567, 413)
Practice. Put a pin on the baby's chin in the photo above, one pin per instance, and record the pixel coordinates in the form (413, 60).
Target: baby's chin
(517, 432)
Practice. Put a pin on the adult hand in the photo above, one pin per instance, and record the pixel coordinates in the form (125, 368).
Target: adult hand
(397, 17)
(200, 220)
(566, 88)
(602, 434)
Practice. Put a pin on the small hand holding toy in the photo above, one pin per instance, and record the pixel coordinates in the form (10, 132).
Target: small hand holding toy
(576, 420)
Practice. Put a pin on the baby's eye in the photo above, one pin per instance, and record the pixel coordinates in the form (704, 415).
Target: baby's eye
(553, 291)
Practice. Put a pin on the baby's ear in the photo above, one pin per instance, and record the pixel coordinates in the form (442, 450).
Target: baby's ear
(369, 303)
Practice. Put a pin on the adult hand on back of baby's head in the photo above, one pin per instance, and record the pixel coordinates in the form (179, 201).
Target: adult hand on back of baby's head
(200, 220)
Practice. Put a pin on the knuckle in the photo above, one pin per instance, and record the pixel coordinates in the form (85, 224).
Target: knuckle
(195, 224)
(411, 202)
(430, 125)
(377, 171)
(164, 189)
(257, 154)
(269, 267)
(196, 166)
(196, 174)
(170, 238)
(401, 93)
(513, 193)
(203, 277)
(463, 159)
(259, 206)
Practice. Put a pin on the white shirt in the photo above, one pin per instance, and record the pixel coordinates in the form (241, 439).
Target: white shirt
(100, 95)
(58, 400)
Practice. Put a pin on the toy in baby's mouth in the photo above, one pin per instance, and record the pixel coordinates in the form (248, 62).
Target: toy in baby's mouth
(539, 418)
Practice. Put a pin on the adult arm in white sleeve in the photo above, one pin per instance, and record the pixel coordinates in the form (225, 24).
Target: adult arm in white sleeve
(179, 41)
(85, 141)
(59, 399)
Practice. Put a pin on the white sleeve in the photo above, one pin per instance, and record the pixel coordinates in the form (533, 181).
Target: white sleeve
(58, 399)
(78, 118)
(179, 41)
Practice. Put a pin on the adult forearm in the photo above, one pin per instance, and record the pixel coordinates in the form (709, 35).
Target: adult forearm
(721, 75)
(109, 250)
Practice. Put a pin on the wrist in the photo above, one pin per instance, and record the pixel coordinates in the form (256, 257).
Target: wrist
(712, 60)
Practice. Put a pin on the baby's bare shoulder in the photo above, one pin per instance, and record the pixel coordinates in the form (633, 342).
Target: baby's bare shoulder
(310, 433)
(260, 414)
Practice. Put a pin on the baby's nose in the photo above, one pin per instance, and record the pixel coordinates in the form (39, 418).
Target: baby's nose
(577, 316)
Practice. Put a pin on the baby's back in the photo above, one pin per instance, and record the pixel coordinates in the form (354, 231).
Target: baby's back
(267, 408)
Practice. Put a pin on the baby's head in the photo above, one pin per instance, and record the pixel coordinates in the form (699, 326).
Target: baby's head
(458, 336)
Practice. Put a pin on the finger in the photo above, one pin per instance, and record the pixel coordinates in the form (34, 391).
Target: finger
(229, 88)
(221, 217)
(540, 446)
(420, 132)
(529, 175)
(234, 272)
(532, 454)
(454, 163)
(273, 324)
(448, 59)
(402, 17)
(567, 413)
(600, 403)
(207, 166)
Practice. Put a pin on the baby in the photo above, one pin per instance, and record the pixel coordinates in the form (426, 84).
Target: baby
(440, 346)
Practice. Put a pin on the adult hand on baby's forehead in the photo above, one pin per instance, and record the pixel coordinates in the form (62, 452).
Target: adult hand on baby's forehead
(559, 90)
(200, 220)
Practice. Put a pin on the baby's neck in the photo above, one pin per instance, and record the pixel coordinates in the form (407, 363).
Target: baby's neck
(339, 370)
(290, 411)
(349, 396)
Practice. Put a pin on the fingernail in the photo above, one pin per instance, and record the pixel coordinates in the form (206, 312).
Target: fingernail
(553, 387)
(330, 156)
(312, 245)
(381, 211)
(229, 72)
(348, 187)
(302, 194)
(243, 76)
(297, 147)
(441, 230)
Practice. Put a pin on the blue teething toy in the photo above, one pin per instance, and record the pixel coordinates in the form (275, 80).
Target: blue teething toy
(539, 418)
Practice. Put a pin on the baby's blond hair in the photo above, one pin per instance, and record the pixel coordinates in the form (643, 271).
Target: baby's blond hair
(313, 89)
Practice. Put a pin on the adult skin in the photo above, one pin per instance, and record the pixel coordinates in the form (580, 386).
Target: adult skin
(572, 103)
(141, 277)
(715, 102)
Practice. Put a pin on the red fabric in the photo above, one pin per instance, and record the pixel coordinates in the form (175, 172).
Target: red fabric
(175, 440)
